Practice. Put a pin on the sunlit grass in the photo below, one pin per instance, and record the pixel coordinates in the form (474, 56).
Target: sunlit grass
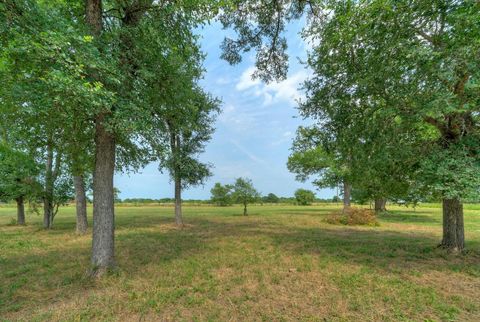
(280, 263)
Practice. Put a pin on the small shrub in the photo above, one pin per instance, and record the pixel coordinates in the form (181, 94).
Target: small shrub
(352, 217)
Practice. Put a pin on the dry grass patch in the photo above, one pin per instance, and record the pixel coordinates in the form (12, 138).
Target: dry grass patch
(353, 217)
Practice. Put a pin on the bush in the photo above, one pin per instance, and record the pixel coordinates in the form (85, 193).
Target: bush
(353, 216)
(304, 197)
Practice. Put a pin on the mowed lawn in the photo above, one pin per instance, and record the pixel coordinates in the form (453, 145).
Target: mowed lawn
(281, 263)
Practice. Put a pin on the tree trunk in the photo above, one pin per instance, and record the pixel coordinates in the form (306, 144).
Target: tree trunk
(103, 195)
(48, 190)
(103, 199)
(178, 201)
(93, 16)
(175, 148)
(347, 191)
(245, 209)
(81, 204)
(453, 228)
(380, 204)
(20, 211)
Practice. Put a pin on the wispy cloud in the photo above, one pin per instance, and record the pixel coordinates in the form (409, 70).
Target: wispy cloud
(286, 91)
(249, 154)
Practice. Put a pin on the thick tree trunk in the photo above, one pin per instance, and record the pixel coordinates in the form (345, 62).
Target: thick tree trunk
(20, 211)
(103, 199)
(347, 191)
(103, 196)
(178, 202)
(380, 204)
(245, 209)
(93, 16)
(81, 204)
(453, 228)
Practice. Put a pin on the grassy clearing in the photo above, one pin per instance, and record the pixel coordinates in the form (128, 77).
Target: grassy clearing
(281, 263)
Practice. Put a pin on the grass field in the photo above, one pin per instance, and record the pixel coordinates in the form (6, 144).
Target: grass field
(281, 263)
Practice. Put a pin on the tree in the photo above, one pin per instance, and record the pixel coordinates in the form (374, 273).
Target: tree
(18, 173)
(116, 195)
(183, 113)
(244, 193)
(46, 57)
(94, 53)
(315, 153)
(409, 72)
(221, 195)
(187, 141)
(270, 198)
(304, 197)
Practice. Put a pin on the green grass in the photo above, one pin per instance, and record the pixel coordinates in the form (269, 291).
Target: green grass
(281, 263)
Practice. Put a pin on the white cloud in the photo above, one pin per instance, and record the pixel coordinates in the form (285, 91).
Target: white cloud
(246, 80)
(222, 81)
(284, 91)
(236, 119)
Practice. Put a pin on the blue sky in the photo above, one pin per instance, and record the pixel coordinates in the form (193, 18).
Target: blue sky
(253, 133)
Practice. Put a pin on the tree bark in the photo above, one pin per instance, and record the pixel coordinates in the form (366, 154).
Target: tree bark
(103, 199)
(93, 16)
(81, 204)
(347, 191)
(453, 227)
(178, 201)
(48, 190)
(245, 209)
(380, 204)
(175, 148)
(103, 195)
(20, 211)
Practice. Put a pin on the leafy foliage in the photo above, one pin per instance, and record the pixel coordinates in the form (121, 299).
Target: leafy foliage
(18, 173)
(270, 198)
(304, 197)
(221, 194)
(244, 192)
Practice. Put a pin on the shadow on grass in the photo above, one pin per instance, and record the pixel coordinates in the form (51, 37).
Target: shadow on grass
(59, 270)
(402, 217)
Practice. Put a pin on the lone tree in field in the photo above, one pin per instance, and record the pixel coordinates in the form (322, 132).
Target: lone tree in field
(221, 195)
(304, 197)
(244, 193)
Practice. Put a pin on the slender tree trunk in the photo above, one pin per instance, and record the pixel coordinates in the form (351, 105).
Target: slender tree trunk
(175, 148)
(81, 204)
(347, 191)
(453, 228)
(245, 209)
(20, 211)
(178, 202)
(103, 199)
(52, 171)
(380, 204)
(48, 192)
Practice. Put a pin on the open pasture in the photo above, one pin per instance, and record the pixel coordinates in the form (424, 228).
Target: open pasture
(279, 263)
